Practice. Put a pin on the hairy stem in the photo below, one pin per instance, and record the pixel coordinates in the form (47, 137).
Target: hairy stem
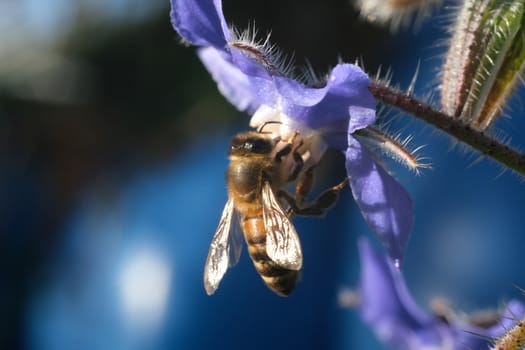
(514, 339)
(479, 141)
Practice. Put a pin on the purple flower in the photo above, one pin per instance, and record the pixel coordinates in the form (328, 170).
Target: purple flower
(253, 77)
(388, 308)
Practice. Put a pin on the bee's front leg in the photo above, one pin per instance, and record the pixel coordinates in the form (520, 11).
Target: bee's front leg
(304, 185)
(324, 201)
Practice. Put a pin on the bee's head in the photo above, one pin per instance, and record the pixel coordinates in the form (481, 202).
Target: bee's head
(251, 143)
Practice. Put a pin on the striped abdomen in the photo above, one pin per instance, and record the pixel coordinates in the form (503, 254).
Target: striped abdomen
(279, 279)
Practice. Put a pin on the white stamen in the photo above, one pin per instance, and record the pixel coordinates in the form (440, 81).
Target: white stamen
(275, 121)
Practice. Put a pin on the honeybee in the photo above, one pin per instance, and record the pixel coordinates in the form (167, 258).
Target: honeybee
(260, 165)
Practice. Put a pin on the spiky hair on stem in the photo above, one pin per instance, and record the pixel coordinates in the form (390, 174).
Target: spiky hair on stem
(272, 58)
(514, 337)
(380, 139)
(395, 146)
(262, 50)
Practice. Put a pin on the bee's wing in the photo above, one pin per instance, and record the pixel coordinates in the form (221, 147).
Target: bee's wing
(235, 241)
(219, 257)
(282, 242)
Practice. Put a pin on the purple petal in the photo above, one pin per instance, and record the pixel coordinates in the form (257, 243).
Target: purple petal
(232, 83)
(345, 98)
(362, 116)
(246, 62)
(297, 93)
(386, 305)
(200, 22)
(384, 203)
(388, 308)
(262, 83)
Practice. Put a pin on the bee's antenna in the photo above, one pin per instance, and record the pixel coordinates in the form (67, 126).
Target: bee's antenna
(260, 130)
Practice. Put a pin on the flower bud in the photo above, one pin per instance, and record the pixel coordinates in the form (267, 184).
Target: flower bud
(394, 12)
(485, 60)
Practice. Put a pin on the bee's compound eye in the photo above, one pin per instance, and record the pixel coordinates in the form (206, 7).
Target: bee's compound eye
(243, 144)
(257, 145)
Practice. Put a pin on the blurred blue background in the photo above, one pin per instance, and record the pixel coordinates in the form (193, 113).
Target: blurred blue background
(113, 144)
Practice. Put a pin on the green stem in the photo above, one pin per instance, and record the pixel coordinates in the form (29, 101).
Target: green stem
(479, 141)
